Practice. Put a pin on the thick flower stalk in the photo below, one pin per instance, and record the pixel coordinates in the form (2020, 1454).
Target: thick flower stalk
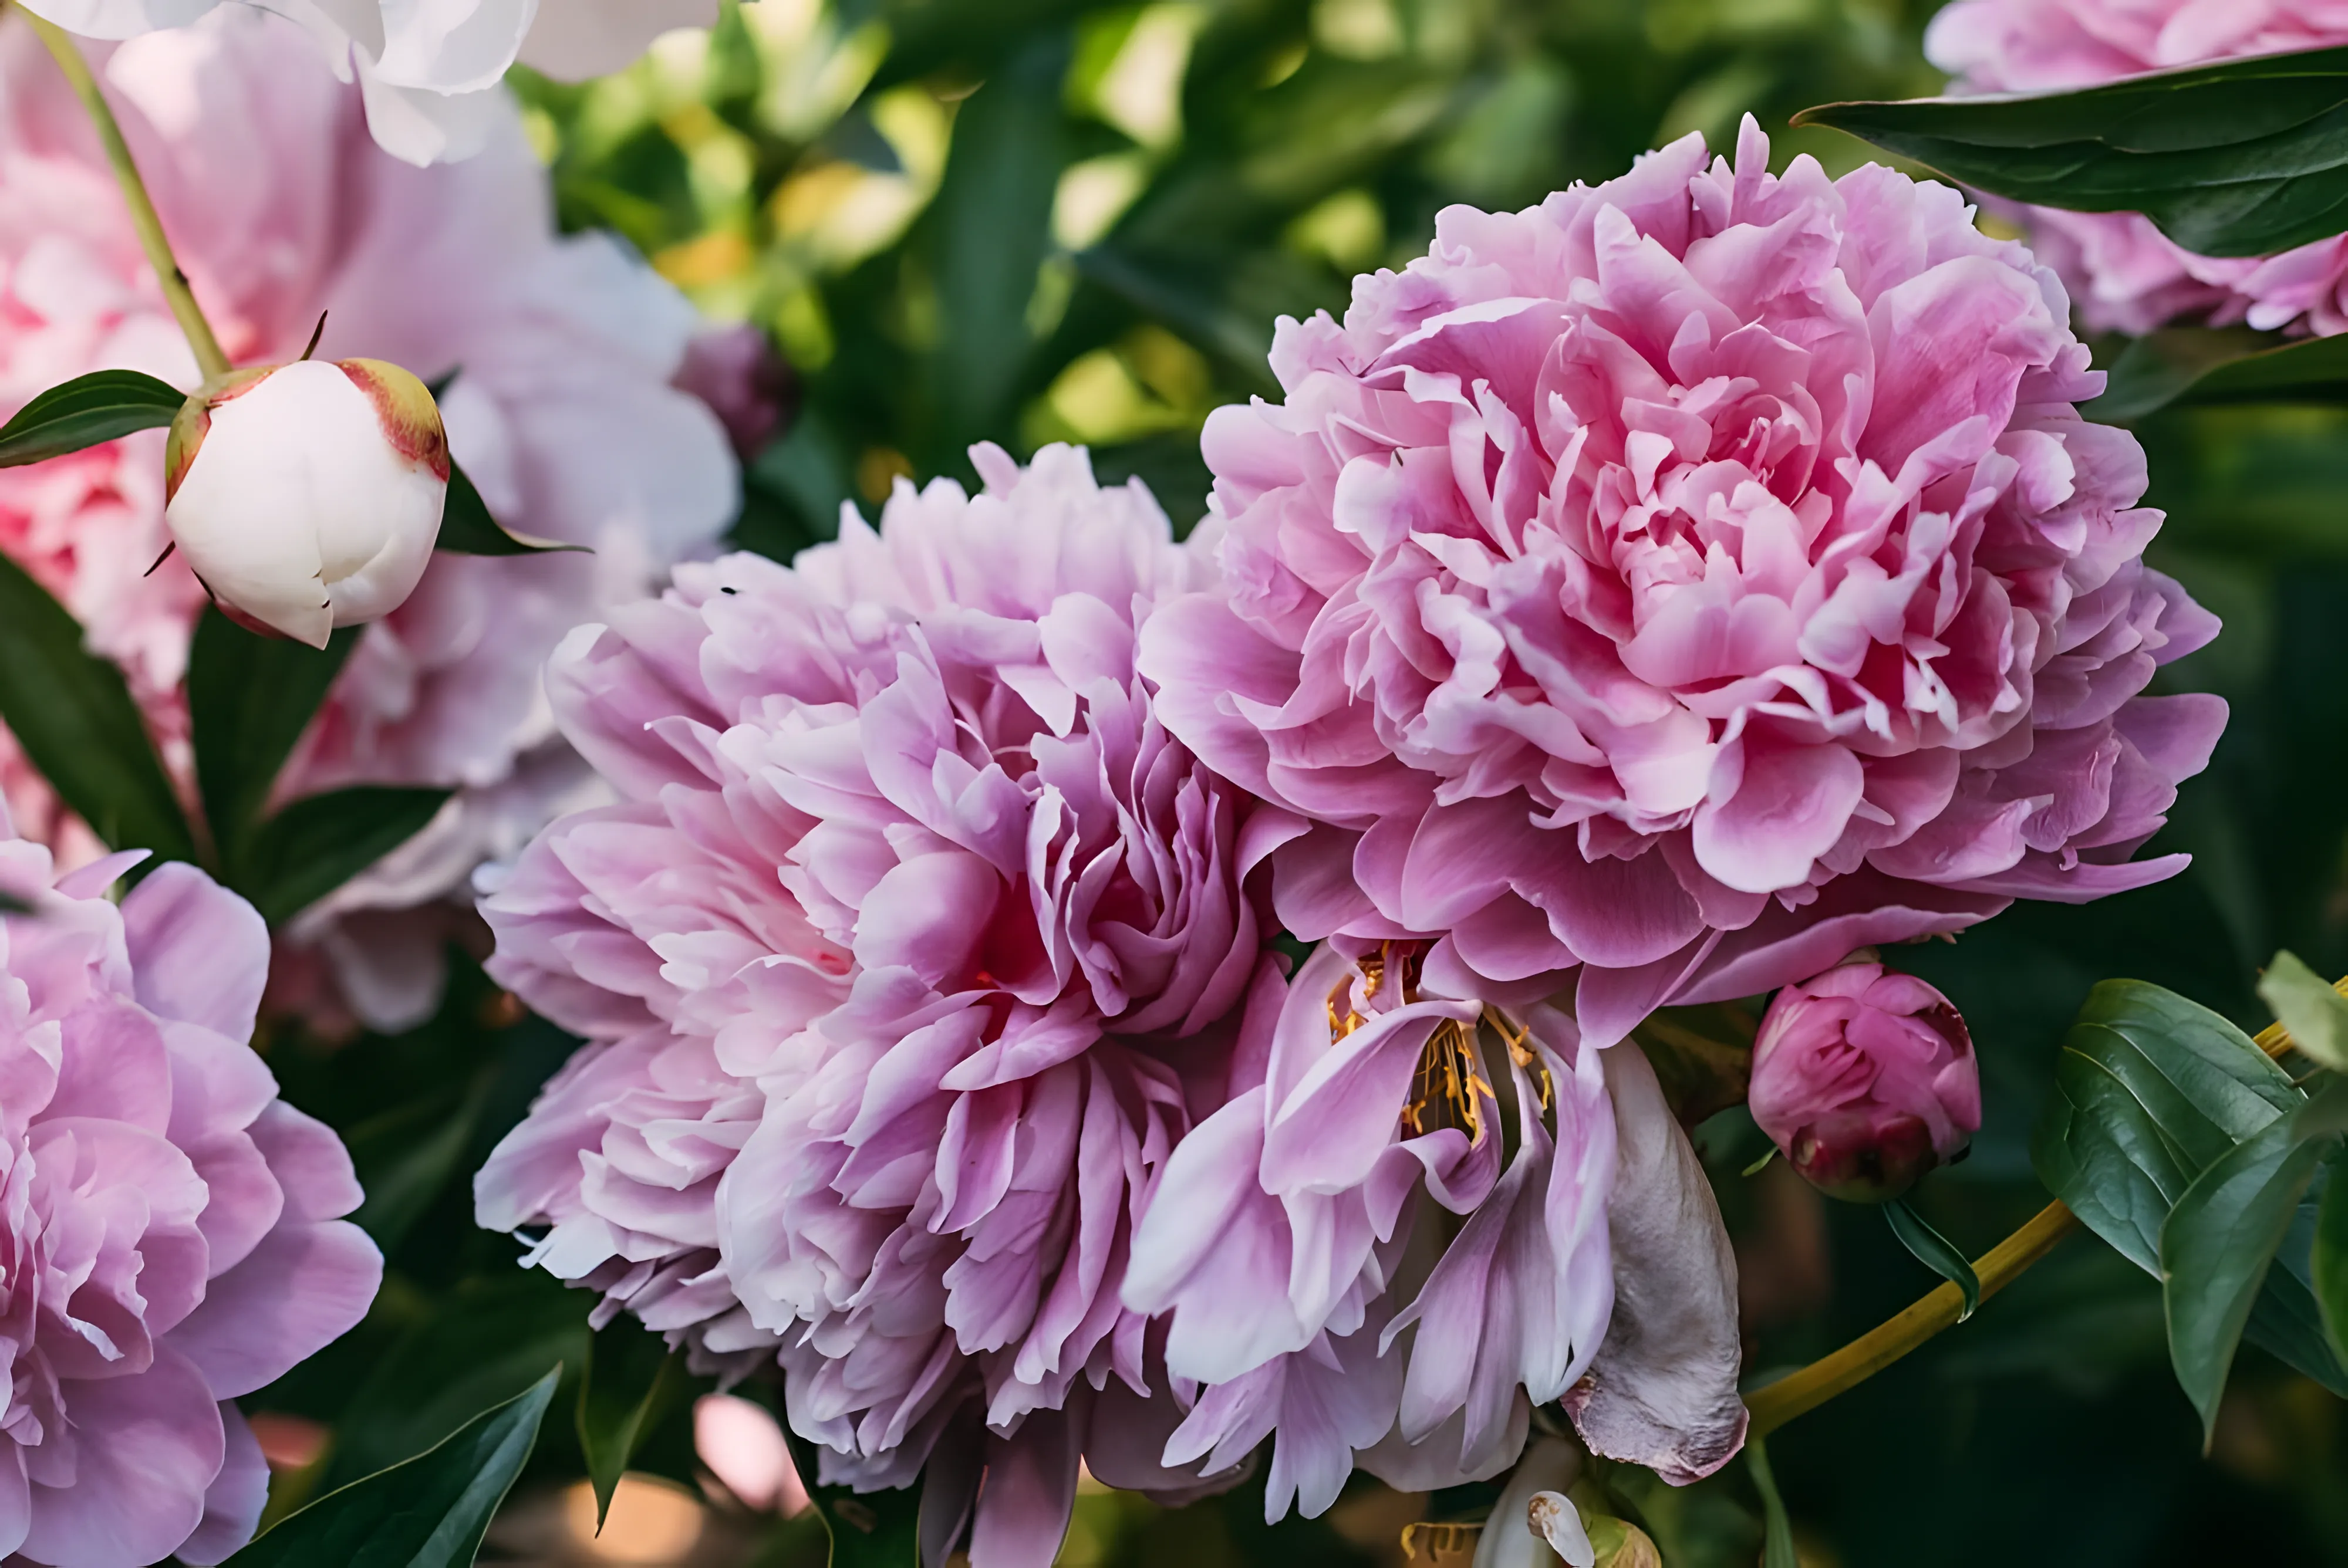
(560, 412)
(913, 947)
(430, 75)
(1660, 592)
(2125, 275)
(1865, 1079)
(171, 1229)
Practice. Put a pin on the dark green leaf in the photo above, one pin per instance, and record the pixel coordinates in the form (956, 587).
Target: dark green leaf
(406, 1154)
(249, 699)
(2195, 367)
(487, 1339)
(468, 529)
(73, 714)
(2329, 1261)
(430, 1512)
(2217, 1247)
(2246, 158)
(867, 1530)
(86, 410)
(2149, 1088)
(1777, 1529)
(632, 1379)
(322, 841)
(1935, 1252)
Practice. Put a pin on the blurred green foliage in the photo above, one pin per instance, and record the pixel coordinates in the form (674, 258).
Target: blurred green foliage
(1051, 220)
(1026, 220)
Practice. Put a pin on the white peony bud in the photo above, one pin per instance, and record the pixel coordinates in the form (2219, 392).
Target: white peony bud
(307, 495)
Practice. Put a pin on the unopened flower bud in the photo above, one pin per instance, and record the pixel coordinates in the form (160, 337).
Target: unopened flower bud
(1865, 1080)
(307, 495)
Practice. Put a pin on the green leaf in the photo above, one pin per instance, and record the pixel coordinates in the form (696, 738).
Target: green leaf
(430, 1512)
(487, 1338)
(867, 1530)
(86, 410)
(1777, 1529)
(249, 699)
(467, 528)
(73, 714)
(631, 1380)
(2245, 157)
(2329, 1261)
(2149, 1089)
(322, 841)
(2315, 1014)
(2203, 367)
(2217, 1247)
(1935, 1252)
(406, 1154)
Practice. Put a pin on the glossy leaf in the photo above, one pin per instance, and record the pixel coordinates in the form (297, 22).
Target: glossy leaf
(1935, 1252)
(86, 410)
(249, 699)
(631, 1380)
(2149, 1089)
(2245, 157)
(73, 715)
(2200, 367)
(407, 1155)
(2315, 1014)
(430, 1512)
(322, 841)
(2217, 1247)
(467, 528)
(2328, 1262)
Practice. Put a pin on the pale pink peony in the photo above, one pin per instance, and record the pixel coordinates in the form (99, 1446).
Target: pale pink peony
(905, 959)
(280, 207)
(2127, 275)
(1663, 590)
(1865, 1079)
(170, 1236)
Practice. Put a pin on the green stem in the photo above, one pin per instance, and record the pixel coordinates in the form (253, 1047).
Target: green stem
(182, 300)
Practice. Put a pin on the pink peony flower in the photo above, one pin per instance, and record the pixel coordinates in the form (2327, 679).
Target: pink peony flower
(1665, 589)
(1865, 1080)
(280, 207)
(747, 385)
(905, 959)
(169, 1229)
(2128, 276)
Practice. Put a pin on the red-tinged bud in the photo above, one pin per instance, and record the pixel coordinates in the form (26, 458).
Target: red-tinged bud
(1865, 1080)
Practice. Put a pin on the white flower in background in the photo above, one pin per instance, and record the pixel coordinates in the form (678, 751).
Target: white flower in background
(560, 412)
(308, 496)
(430, 73)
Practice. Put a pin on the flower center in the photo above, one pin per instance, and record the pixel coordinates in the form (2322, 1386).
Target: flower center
(1449, 1089)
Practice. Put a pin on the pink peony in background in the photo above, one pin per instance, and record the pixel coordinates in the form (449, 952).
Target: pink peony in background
(910, 951)
(1865, 1080)
(170, 1236)
(281, 206)
(2125, 274)
(1663, 590)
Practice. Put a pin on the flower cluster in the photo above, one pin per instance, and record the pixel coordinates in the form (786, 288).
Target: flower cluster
(2129, 276)
(907, 955)
(1649, 597)
(170, 1234)
(560, 412)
